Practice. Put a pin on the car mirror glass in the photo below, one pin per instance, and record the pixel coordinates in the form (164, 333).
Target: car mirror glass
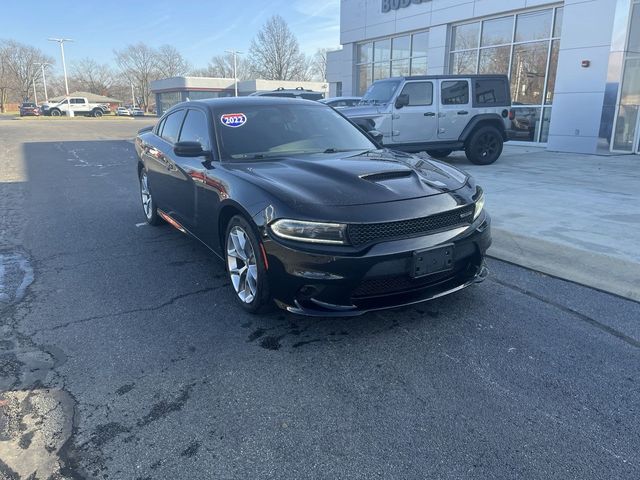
(375, 135)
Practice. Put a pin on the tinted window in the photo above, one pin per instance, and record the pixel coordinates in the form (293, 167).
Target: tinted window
(270, 131)
(77, 100)
(420, 93)
(195, 129)
(455, 92)
(312, 96)
(287, 95)
(171, 126)
(490, 91)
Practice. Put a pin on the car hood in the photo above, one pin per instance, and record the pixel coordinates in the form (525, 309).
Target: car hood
(350, 179)
(364, 111)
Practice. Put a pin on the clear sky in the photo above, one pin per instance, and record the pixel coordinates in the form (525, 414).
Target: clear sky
(199, 29)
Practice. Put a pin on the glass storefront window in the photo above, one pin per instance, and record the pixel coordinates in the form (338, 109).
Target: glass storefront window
(634, 31)
(553, 70)
(534, 25)
(381, 70)
(401, 47)
(400, 68)
(419, 66)
(365, 52)
(628, 109)
(495, 60)
(398, 56)
(464, 62)
(364, 77)
(419, 44)
(465, 36)
(528, 69)
(497, 32)
(382, 50)
(557, 24)
(525, 124)
(168, 100)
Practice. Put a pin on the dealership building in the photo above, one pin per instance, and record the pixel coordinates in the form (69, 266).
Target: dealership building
(574, 66)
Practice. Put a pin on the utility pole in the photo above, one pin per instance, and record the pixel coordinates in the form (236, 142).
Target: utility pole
(64, 69)
(133, 97)
(35, 95)
(44, 79)
(235, 53)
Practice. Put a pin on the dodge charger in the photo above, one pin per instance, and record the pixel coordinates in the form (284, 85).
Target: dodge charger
(307, 210)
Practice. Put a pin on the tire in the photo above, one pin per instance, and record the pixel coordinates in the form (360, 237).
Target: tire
(439, 153)
(484, 146)
(148, 204)
(55, 112)
(245, 266)
(97, 113)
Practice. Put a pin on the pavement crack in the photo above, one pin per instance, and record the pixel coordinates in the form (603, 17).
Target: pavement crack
(169, 302)
(585, 318)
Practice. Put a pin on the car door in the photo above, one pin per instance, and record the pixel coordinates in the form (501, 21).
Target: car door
(188, 173)
(78, 105)
(454, 108)
(417, 121)
(158, 152)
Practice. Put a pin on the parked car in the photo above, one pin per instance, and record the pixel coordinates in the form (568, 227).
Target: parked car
(439, 114)
(341, 102)
(79, 106)
(306, 209)
(297, 92)
(123, 112)
(137, 112)
(29, 109)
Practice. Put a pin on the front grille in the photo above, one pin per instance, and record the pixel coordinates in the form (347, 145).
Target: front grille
(374, 287)
(364, 233)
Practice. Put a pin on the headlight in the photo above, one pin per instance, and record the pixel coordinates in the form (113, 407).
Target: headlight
(479, 204)
(313, 232)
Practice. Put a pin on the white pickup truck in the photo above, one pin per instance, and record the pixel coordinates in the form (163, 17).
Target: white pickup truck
(79, 106)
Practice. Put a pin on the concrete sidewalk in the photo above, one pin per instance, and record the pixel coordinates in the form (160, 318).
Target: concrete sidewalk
(569, 215)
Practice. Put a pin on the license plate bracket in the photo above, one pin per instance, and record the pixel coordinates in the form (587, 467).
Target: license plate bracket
(432, 260)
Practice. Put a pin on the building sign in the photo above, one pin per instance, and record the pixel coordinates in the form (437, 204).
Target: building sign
(388, 5)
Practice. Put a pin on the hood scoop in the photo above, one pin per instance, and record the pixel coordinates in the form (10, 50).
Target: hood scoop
(383, 176)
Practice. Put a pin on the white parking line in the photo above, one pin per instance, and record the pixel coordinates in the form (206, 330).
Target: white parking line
(141, 224)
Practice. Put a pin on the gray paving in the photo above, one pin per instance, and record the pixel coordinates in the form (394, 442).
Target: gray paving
(569, 215)
(126, 357)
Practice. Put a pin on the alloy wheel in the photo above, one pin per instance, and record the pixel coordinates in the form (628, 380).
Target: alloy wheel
(487, 145)
(145, 194)
(241, 262)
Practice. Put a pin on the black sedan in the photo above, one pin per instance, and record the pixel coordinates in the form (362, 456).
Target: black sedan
(307, 210)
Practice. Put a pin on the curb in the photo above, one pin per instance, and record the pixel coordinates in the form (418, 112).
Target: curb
(602, 272)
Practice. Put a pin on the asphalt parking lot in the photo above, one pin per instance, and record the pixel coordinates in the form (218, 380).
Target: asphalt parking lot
(123, 355)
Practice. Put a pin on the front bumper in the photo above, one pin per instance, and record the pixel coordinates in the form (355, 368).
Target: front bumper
(314, 283)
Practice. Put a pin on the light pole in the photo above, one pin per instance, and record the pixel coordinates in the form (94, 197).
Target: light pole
(44, 79)
(235, 53)
(64, 69)
(133, 98)
(35, 95)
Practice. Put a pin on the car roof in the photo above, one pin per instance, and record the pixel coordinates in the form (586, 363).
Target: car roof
(239, 102)
(435, 77)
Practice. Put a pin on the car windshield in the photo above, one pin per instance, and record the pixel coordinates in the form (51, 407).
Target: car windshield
(268, 131)
(380, 92)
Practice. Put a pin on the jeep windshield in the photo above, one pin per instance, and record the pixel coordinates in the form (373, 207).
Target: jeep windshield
(380, 93)
(279, 130)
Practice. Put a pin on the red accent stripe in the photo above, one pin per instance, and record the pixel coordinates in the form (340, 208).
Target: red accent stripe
(171, 221)
(264, 256)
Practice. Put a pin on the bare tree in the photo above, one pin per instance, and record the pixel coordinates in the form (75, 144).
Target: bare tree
(88, 75)
(319, 65)
(138, 65)
(170, 62)
(5, 82)
(275, 54)
(21, 61)
(221, 66)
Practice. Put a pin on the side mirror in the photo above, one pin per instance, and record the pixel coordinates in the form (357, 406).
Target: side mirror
(188, 149)
(402, 100)
(376, 135)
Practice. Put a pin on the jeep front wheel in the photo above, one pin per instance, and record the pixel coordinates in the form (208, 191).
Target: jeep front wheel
(55, 112)
(439, 153)
(485, 146)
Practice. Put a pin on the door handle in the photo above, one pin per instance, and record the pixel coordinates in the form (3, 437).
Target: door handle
(429, 114)
(463, 112)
